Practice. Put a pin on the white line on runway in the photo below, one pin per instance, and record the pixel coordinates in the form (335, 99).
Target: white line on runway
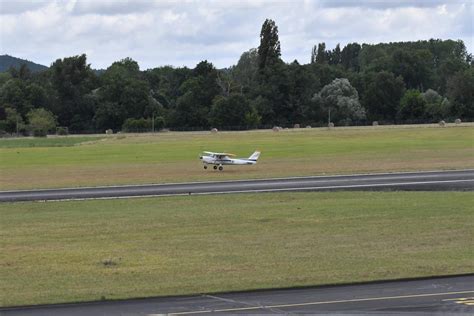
(315, 303)
(250, 180)
(257, 191)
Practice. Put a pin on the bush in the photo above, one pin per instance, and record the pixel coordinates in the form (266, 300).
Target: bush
(41, 121)
(38, 132)
(62, 131)
(136, 125)
(159, 122)
(142, 125)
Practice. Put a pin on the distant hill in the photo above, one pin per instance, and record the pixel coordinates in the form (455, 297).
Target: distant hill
(7, 61)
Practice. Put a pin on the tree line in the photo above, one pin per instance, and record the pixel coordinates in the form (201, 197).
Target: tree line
(391, 82)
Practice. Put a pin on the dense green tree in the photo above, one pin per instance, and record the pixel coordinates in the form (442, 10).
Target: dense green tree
(274, 87)
(245, 71)
(302, 83)
(321, 54)
(264, 109)
(460, 91)
(109, 115)
(193, 106)
(269, 48)
(206, 87)
(335, 56)
(374, 58)
(383, 95)
(11, 121)
(166, 82)
(188, 114)
(325, 73)
(23, 73)
(72, 78)
(232, 112)
(4, 77)
(350, 56)
(278, 93)
(412, 106)
(447, 69)
(13, 94)
(415, 67)
(124, 94)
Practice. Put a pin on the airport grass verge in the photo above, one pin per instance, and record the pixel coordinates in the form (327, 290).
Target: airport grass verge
(30, 142)
(77, 251)
(173, 157)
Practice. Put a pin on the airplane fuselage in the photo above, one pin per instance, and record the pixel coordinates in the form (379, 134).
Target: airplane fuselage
(227, 161)
(220, 159)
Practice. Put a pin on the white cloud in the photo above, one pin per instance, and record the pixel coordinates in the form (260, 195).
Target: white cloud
(181, 33)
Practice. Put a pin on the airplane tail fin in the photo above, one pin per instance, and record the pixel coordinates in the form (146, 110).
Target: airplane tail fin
(254, 156)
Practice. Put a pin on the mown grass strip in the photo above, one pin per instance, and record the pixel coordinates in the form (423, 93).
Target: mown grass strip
(79, 251)
(173, 157)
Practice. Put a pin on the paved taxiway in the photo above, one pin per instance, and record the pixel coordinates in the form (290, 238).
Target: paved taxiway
(446, 295)
(435, 180)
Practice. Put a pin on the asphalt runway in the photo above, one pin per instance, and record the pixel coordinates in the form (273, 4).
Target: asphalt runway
(442, 296)
(425, 181)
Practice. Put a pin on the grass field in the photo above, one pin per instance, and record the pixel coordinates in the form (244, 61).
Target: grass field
(91, 250)
(173, 157)
(29, 142)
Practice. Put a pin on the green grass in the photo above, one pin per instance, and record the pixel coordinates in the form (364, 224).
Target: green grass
(173, 157)
(80, 251)
(45, 142)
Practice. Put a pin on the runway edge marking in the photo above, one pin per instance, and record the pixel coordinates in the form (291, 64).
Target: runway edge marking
(315, 303)
(245, 180)
(253, 191)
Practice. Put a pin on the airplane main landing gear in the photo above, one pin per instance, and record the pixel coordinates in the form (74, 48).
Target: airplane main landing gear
(205, 167)
(220, 168)
(215, 167)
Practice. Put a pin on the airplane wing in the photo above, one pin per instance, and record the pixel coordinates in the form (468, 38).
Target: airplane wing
(219, 154)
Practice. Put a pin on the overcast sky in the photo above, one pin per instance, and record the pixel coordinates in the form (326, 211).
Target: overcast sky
(182, 33)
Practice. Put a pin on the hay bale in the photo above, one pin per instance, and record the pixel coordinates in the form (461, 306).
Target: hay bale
(375, 123)
(276, 128)
(442, 123)
(296, 126)
(214, 130)
(308, 126)
(331, 125)
(457, 121)
(109, 132)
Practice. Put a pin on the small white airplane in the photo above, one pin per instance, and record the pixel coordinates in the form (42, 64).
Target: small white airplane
(220, 159)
